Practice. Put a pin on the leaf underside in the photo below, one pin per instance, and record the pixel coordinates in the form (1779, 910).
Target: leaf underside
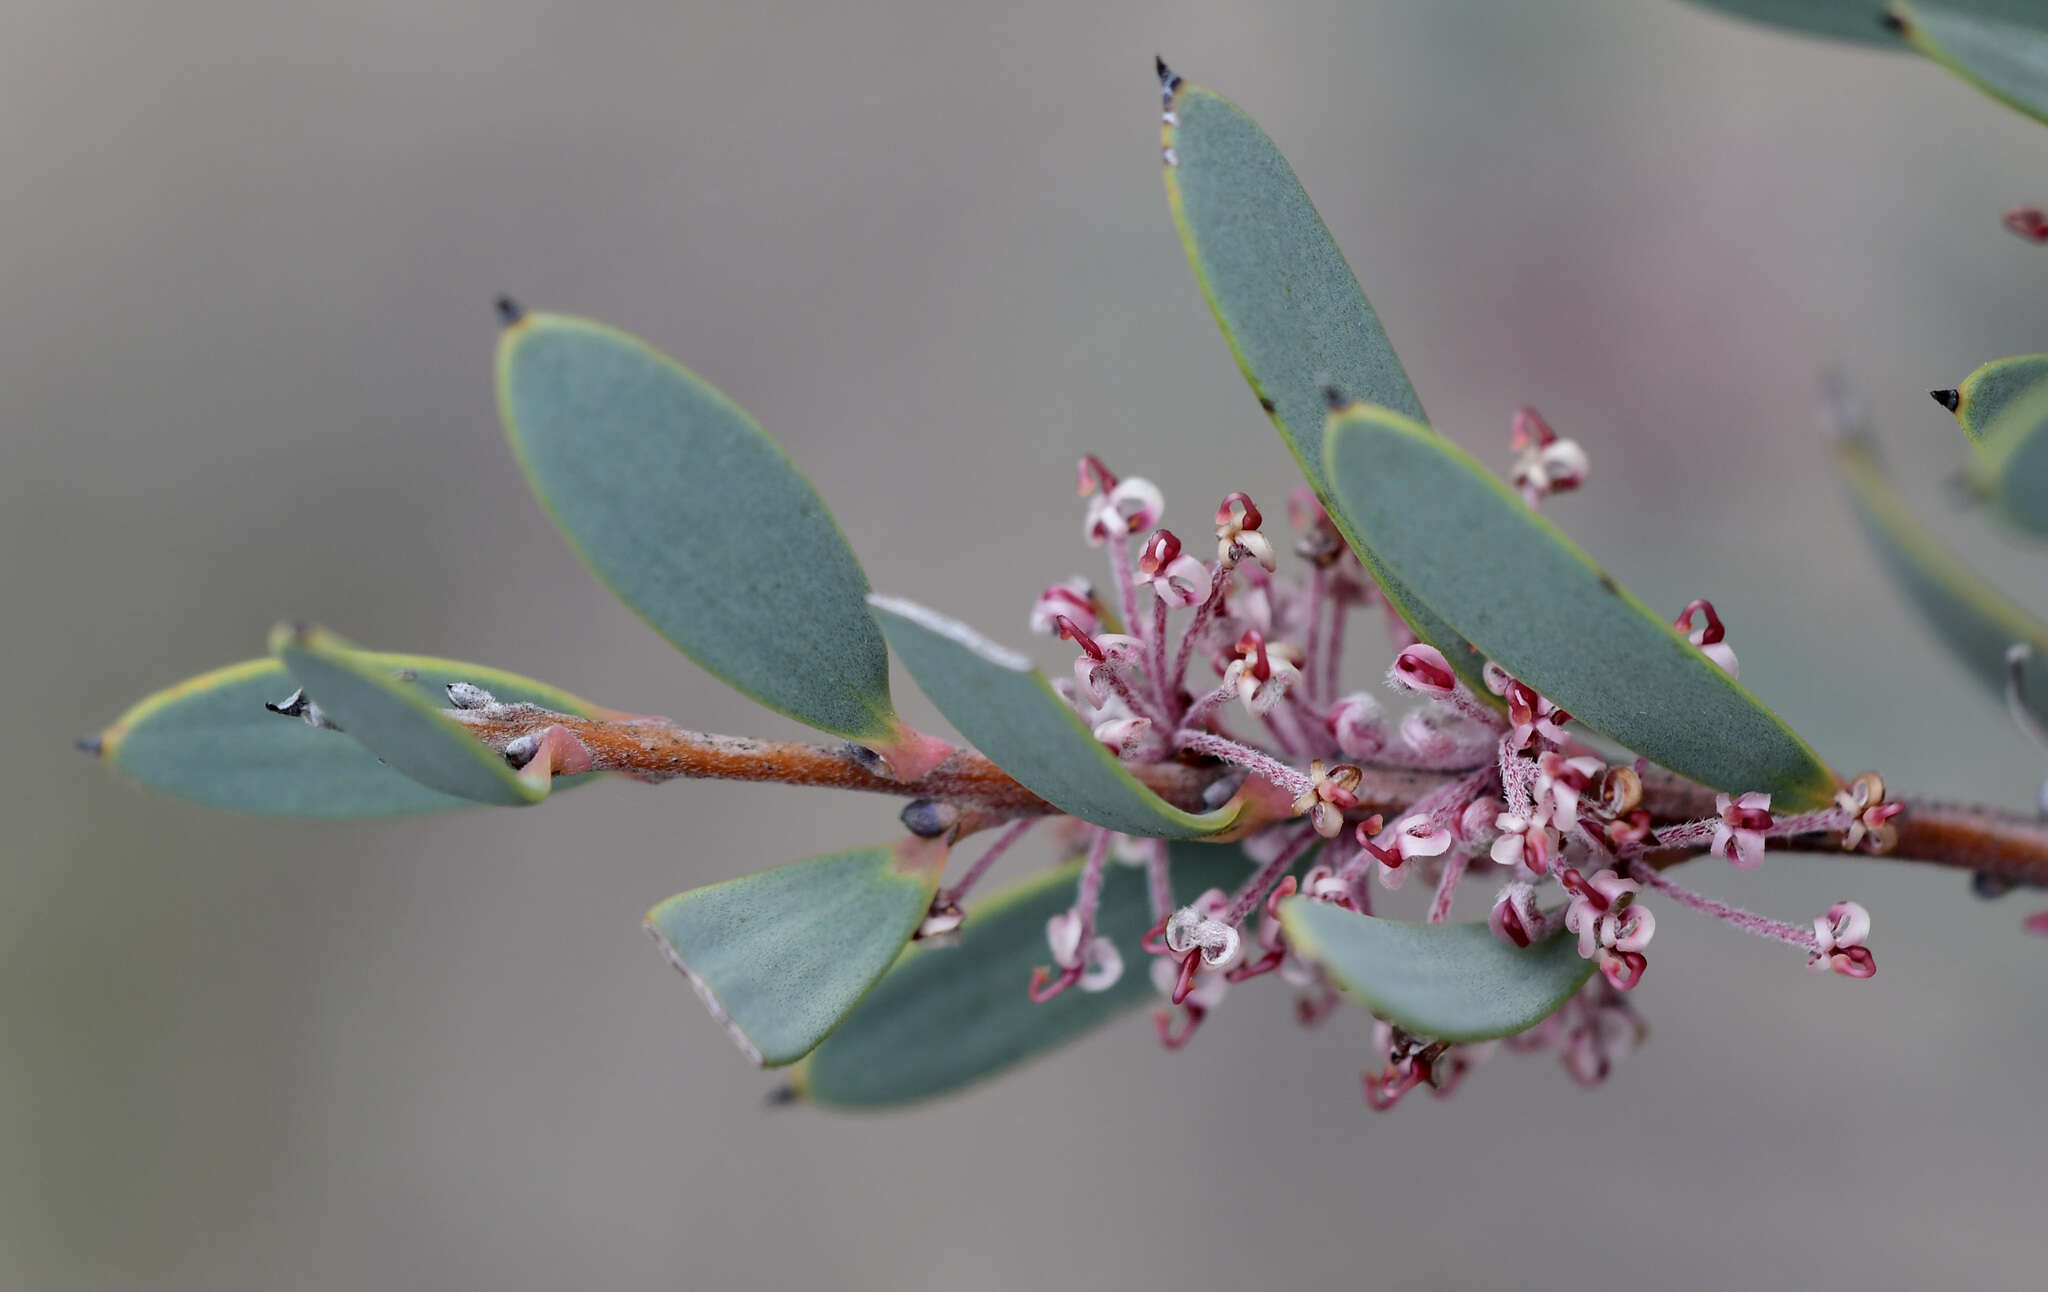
(210, 740)
(947, 1017)
(1447, 982)
(1986, 392)
(2012, 465)
(695, 519)
(1290, 308)
(1969, 616)
(1008, 711)
(1512, 582)
(780, 956)
(2006, 60)
(1854, 20)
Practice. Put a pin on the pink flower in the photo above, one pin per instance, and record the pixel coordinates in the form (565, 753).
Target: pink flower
(1123, 735)
(1237, 533)
(1548, 464)
(1423, 669)
(1839, 936)
(1411, 836)
(1563, 780)
(1117, 508)
(1095, 966)
(1870, 816)
(1073, 600)
(1176, 579)
(1099, 655)
(1357, 723)
(1739, 834)
(1530, 716)
(1612, 928)
(2029, 222)
(1515, 917)
(1524, 841)
(1330, 794)
(1710, 637)
(1262, 672)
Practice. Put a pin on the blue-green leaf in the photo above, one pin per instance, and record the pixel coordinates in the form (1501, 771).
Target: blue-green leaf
(389, 716)
(1511, 581)
(1006, 709)
(948, 1016)
(1289, 306)
(2006, 60)
(1986, 392)
(1447, 982)
(1969, 616)
(1856, 20)
(700, 523)
(209, 739)
(781, 956)
(2011, 468)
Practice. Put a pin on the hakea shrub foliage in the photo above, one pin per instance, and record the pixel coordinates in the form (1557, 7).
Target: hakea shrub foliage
(1232, 805)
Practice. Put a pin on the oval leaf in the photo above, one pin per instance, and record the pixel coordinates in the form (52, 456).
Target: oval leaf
(1986, 392)
(390, 717)
(209, 739)
(1447, 982)
(2011, 468)
(1525, 594)
(1969, 616)
(779, 957)
(1007, 710)
(2006, 60)
(948, 1016)
(1856, 20)
(1289, 306)
(697, 520)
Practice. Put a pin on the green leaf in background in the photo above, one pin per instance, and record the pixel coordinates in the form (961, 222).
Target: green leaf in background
(209, 739)
(702, 524)
(1007, 710)
(393, 719)
(1512, 582)
(948, 1016)
(779, 957)
(1447, 982)
(2011, 468)
(1856, 20)
(1973, 619)
(2006, 60)
(1289, 306)
(1985, 392)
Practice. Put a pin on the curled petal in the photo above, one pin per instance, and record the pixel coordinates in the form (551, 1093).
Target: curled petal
(1103, 966)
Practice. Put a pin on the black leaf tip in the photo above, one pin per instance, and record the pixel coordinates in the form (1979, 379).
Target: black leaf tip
(90, 745)
(1169, 80)
(1949, 399)
(509, 312)
(1892, 20)
(1333, 397)
(783, 1096)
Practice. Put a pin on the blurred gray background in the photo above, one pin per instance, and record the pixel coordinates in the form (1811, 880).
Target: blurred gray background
(248, 252)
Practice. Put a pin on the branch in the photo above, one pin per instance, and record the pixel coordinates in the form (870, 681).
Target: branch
(2004, 846)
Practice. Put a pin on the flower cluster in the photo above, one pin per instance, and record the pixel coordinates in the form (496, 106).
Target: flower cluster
(1567, 843)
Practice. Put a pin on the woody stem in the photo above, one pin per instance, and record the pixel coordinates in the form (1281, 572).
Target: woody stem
(2004, 846)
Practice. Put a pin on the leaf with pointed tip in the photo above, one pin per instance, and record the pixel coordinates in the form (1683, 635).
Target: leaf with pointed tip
(2011, 468)
(2006, 60)
(1854, 20)
(1006, 709)
(1447, 982)
(1985, 393)
(781, 956)
(1289, 306)
(394, 720)
(209, 739)
(948, 1016)
(1512, 582)
(701, 523)
(1966, 614)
